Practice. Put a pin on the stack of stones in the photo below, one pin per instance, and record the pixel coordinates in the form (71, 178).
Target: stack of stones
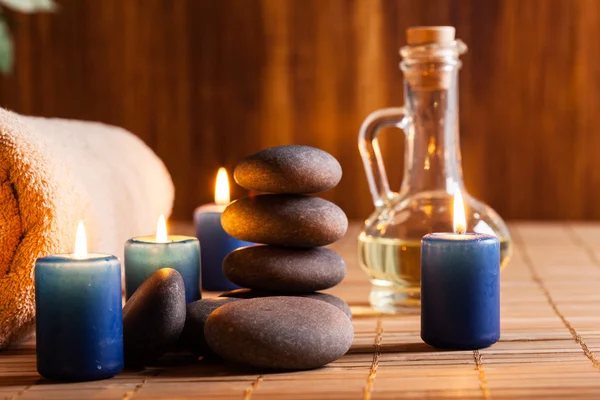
(291, 225)
(279, 320)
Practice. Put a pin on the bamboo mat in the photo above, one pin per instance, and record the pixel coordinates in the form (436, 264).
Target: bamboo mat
(550, 344)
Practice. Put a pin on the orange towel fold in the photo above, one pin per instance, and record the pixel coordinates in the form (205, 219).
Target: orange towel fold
(55, 172)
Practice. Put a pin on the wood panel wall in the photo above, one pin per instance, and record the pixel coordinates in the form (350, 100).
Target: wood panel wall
(205, 82)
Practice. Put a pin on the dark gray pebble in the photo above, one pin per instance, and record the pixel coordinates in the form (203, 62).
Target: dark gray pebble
(192, 337)
(289, 169)
(285, 333)
(285, 220)
(284, 269)
(328, 298)
(153, 317)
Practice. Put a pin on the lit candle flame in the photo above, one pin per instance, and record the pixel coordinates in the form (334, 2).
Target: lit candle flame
(161, 230)
(460, 223)
(80, 243)
(222, 187)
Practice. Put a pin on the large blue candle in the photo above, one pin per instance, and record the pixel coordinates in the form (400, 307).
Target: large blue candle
(214, 240)
(79, 322)
(460, 289)
(145, 255)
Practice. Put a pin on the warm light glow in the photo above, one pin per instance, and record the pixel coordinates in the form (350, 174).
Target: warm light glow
(80, 243)
(460, 223)
(431, 146)
(222, 187)
(161, 230)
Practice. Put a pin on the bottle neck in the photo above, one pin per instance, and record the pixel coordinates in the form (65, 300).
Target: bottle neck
(432, 153)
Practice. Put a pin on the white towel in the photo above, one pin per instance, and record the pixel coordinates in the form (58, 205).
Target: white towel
(54, 172)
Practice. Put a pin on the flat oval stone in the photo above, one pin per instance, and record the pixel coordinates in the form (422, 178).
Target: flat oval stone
(192, 336)
(153, 317)
(286, 333)
(328, 298)
(285, 220)
(289, 169)
(284, 269)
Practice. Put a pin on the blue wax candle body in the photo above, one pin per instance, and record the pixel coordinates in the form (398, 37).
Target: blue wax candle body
(460, 290)
(216, 244)
(79, 320)
(144, 256)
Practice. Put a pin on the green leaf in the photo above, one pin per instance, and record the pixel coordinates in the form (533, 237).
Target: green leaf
(30, 6)
(6, 48)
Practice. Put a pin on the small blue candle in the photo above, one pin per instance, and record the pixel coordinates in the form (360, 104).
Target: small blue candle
(460, 288)
(144, 255)
(213, 238)
(79, 322)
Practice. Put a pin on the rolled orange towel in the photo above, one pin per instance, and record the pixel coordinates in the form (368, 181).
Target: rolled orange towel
(55, 172)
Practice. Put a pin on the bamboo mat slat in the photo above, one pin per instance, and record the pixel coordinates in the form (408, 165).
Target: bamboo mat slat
(549, 348)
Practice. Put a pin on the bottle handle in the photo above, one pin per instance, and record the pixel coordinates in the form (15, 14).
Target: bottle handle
(371, 154)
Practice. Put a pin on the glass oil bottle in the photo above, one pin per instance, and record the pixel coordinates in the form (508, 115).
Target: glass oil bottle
(389, 246)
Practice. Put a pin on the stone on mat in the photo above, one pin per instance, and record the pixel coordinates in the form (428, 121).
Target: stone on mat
(192, 336)
(284, 269)
(285, 220)
(153, 317)
(289, 169)
(281, 332)
(328, 298)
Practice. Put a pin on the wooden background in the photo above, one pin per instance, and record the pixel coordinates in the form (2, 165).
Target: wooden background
(205, 82)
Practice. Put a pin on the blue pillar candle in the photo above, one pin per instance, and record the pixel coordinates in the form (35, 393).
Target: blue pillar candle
(145, 255)
(460, 290)
(213, 238)
(79, 321)
(460, 287)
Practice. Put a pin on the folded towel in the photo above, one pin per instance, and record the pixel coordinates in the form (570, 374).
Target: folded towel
(53, 173)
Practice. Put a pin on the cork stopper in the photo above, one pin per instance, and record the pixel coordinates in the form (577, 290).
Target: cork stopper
(429, 34)
(429, 79)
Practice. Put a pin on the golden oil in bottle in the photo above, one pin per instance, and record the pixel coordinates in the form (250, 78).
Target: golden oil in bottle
(394, 268)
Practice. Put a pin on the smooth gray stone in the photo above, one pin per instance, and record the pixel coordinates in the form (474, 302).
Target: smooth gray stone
(328, 298)
(281, 332)
(192, 336)
(153, 317)
(289, 169)
(284, 269)
(285, 220)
